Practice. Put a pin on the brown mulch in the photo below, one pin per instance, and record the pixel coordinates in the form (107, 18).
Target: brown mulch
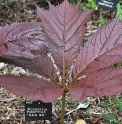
(11, 106)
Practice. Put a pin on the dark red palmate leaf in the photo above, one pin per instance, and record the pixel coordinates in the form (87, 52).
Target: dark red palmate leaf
(98, 84)
(95, 63)
(65, 25)
(41, 65)
(20, 45)
(18, 30)
(18, 42)
(55, 48)
(14, 39)
(31, 87)
(102, 50)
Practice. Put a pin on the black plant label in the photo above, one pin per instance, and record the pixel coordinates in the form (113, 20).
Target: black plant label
(38, 110)
(108, 4)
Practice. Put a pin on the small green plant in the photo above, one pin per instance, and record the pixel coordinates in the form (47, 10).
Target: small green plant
(6, 71)
(119, 9)
(89, 111)
(70, 100)
(89, 5)
(101, 22)
(116, 103)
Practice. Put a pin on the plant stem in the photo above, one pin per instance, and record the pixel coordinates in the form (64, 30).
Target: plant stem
(63, 108)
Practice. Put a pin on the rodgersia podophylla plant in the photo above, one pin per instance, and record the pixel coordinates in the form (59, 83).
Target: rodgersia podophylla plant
(55, 50)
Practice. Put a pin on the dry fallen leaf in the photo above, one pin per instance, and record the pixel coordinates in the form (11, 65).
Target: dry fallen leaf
(80, 121)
